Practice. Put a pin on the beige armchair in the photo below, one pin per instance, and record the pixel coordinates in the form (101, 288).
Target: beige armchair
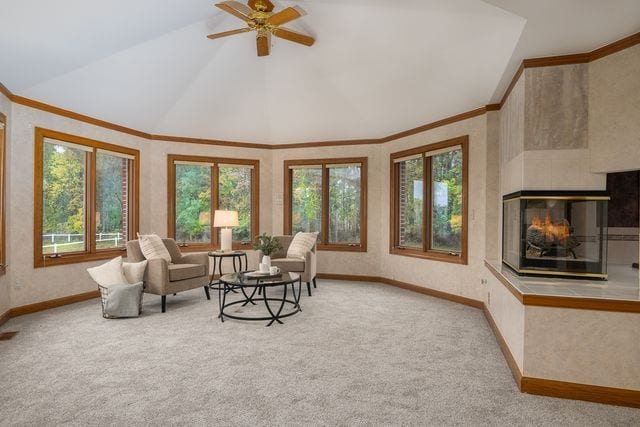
(185, 272)
(306, 267)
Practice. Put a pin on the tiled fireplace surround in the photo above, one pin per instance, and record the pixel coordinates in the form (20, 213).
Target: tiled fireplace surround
(559, 129)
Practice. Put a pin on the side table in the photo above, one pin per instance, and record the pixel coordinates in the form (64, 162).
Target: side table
(236, 256)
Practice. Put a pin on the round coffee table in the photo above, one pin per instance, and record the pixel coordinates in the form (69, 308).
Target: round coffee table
(254, 291)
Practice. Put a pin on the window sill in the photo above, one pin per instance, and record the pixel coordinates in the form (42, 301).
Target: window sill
(236, 246)
(341, 248)
(42, 262)
(431, 255)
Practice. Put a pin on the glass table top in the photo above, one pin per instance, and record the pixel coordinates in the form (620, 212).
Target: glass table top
(241, 279)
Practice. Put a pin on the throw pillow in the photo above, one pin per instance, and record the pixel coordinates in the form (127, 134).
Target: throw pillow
(152, 247)
(134, 271)
(108, 274)
(301, 244)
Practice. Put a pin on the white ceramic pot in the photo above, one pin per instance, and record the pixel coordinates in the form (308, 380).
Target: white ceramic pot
(266, 259)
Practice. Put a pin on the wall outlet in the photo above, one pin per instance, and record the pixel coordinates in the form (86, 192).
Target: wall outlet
(483, 281)
(17, 285)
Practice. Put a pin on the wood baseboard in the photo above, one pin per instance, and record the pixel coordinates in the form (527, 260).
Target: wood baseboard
(350, 277)
(538, 386)
(408, 286)
(58, 302)
(5, 316)
(562, 389)
(511, 361)
(575, 391)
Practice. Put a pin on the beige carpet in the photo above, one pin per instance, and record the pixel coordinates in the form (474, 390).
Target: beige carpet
(358, 354)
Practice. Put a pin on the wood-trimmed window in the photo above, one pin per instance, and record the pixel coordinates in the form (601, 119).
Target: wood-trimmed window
(429, 187)
(200, 185)
(328, 196)
(85, 198)
(3, 142)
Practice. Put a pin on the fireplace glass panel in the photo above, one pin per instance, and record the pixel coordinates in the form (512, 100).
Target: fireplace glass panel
(553, 234)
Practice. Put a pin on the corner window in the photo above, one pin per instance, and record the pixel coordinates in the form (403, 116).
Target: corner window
(86, 202)
(328, 196)
(428, 197)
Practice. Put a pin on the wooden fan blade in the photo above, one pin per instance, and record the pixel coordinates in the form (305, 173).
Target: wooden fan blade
(263, 45)
(293, 36)
(237, 9)
(285, 15)
(253, 4)
(228, 33)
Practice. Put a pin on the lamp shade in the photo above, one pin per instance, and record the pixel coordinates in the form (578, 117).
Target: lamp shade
(225, 219)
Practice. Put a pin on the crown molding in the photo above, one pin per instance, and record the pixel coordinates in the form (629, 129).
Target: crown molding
(579, 58)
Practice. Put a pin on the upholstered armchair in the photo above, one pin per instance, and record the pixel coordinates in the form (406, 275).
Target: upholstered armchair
(185, 272)
(305, 267)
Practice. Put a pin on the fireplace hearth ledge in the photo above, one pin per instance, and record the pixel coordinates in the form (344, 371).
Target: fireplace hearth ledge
(622, 285)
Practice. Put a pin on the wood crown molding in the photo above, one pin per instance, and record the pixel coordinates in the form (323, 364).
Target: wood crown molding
(596, 304)
(579, 58)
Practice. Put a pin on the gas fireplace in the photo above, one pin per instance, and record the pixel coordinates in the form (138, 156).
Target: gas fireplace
(556, 233)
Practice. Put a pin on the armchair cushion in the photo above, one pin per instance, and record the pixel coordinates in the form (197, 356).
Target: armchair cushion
(186, 271)
(295, 265)
(152, 247)
(301, 244)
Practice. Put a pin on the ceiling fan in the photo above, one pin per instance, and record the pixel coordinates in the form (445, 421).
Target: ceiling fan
(259, 17)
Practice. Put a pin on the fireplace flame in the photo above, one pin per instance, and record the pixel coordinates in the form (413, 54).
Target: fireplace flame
(555, 232)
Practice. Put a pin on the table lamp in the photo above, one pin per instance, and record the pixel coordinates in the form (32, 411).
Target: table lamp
(225, 220)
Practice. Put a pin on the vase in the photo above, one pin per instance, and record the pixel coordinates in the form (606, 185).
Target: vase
(266, 259)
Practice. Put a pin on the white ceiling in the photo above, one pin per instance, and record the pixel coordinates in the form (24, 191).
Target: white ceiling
(378, 67)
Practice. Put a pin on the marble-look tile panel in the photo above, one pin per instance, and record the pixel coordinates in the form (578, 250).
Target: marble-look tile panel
(512, 122)
(556, 107)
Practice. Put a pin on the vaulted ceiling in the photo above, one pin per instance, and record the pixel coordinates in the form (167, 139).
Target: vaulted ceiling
(378, 67)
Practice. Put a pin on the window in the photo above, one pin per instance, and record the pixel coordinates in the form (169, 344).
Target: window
(428, 201)
(86, 204)
(3, 125)
(200, 185)
(328, 196)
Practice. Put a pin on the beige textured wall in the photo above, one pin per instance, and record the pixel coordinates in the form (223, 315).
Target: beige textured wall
(29, 285)
(358, 263)
(5, 280)
(493, 196)
(157, 221)
(451, 278)
(509, 316)
(511, 136)
(614, 112)
(583, 346)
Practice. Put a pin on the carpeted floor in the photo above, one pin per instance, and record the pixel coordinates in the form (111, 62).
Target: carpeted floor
(358, 354)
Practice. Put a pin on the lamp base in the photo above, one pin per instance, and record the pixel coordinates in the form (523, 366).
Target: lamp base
(226, 239)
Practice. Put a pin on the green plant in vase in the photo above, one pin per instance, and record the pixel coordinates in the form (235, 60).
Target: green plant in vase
(267, 245)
